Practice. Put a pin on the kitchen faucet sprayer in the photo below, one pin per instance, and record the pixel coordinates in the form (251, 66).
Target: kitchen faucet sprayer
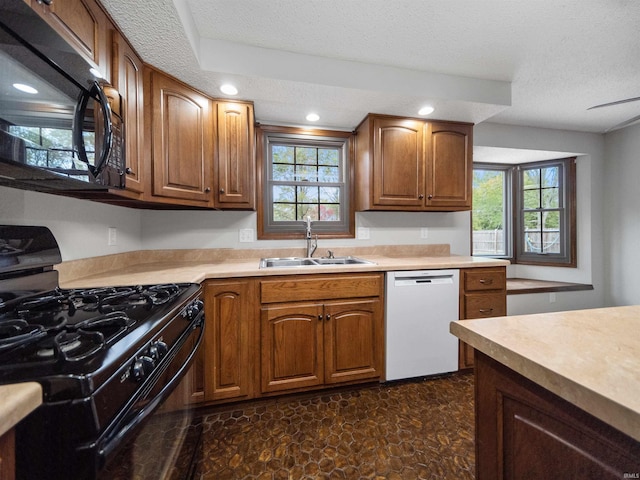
(311, 245)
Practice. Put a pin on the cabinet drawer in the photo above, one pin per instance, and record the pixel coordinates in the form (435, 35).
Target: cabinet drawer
(485, 279)
(481, 305)
(294, 288)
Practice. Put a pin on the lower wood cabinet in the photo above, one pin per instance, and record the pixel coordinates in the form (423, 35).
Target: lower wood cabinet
(229, 346)
(321, 330)
(526, 431)
(7, 455)
(483, 293)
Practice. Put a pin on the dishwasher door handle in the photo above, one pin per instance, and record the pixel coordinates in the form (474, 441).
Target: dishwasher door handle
(412, 281)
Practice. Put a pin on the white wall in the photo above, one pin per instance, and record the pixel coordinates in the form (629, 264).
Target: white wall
(79, 226)
(590, 197)
(622, 215)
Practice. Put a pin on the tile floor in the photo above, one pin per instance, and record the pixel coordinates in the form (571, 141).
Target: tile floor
(405, 430)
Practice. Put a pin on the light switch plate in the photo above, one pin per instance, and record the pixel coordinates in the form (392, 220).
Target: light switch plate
(424, 232)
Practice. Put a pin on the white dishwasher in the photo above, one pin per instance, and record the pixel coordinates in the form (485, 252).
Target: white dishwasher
(419, 307)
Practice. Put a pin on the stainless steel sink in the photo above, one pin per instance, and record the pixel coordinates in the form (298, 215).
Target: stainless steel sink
(311, 262)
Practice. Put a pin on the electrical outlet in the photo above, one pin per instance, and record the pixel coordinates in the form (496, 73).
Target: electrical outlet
(552, 297)
(112, 236)
(363, 233)
(424, 232)
(245, 235)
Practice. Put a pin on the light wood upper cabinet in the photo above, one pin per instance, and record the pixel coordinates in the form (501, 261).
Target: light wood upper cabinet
(412, 165)
(234, 173)
(450, 165)
(181, 130)
(84, 25)
(128, 80)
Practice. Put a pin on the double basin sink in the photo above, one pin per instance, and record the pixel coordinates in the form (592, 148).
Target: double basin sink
(311, 262)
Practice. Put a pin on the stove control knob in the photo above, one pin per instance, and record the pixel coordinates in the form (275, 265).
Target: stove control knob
(142, 367)
(194, 309)
(158, 349)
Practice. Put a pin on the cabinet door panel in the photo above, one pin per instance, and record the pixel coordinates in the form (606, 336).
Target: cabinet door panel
(83, 24)
(235, 169)
(450, 165)
(352, 334)
(182, 141)
(292, 347)
(398, 169)
(228, 339)
(128, 78)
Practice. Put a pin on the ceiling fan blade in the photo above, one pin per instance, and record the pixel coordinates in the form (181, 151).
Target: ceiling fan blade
(623, 124)
(634, 99)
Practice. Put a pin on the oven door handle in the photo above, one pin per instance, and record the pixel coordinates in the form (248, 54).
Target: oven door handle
(116, 438)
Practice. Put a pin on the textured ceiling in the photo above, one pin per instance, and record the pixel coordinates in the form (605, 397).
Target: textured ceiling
(535, 63)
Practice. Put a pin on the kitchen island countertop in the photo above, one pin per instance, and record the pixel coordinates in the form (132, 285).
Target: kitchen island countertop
(16, 402)
(588, 357)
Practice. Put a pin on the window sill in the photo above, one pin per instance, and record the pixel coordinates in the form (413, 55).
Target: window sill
(518, 286)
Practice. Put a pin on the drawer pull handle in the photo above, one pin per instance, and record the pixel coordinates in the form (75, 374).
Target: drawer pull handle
(486, 310)
(486, 281)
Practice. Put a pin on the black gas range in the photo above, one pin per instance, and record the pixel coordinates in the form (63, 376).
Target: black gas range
(106, 357)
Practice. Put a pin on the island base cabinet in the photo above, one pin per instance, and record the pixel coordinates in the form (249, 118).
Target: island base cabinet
(523, 431)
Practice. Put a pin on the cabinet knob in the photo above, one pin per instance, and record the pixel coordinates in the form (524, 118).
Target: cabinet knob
(429, 196)
(222, 190)
(320, 317)
(207, 190)
(328, 316)
(421, 196)
(128, 171)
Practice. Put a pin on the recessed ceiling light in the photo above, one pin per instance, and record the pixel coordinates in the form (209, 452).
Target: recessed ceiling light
(426, 110)
(96, 73)
(25, 88)
(228, 89)
(313, 117)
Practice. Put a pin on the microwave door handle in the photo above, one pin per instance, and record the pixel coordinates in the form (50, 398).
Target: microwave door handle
(78, 121)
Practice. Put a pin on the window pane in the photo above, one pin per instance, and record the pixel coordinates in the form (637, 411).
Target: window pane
(284, 193)
(532, 242)
(306, 173)
(305, 211)
(330, 212)
(550, 176)
(306, 156)
(551, 220)
(531, 178)
(329, 174)
(489, 204)
(307, 194)
(284, 212)
(328, 157)
(283, 172)
(531, 199)
(329, 194)
(532, 221)
(282, 154)
(550, 198)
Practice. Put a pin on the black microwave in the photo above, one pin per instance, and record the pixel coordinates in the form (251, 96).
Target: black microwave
(61, 126)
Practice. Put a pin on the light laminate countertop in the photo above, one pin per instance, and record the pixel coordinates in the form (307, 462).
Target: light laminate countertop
(16, 402)
(590, 358)
(175, 266)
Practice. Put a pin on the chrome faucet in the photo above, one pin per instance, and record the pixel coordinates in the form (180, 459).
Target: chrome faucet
(311, 245)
